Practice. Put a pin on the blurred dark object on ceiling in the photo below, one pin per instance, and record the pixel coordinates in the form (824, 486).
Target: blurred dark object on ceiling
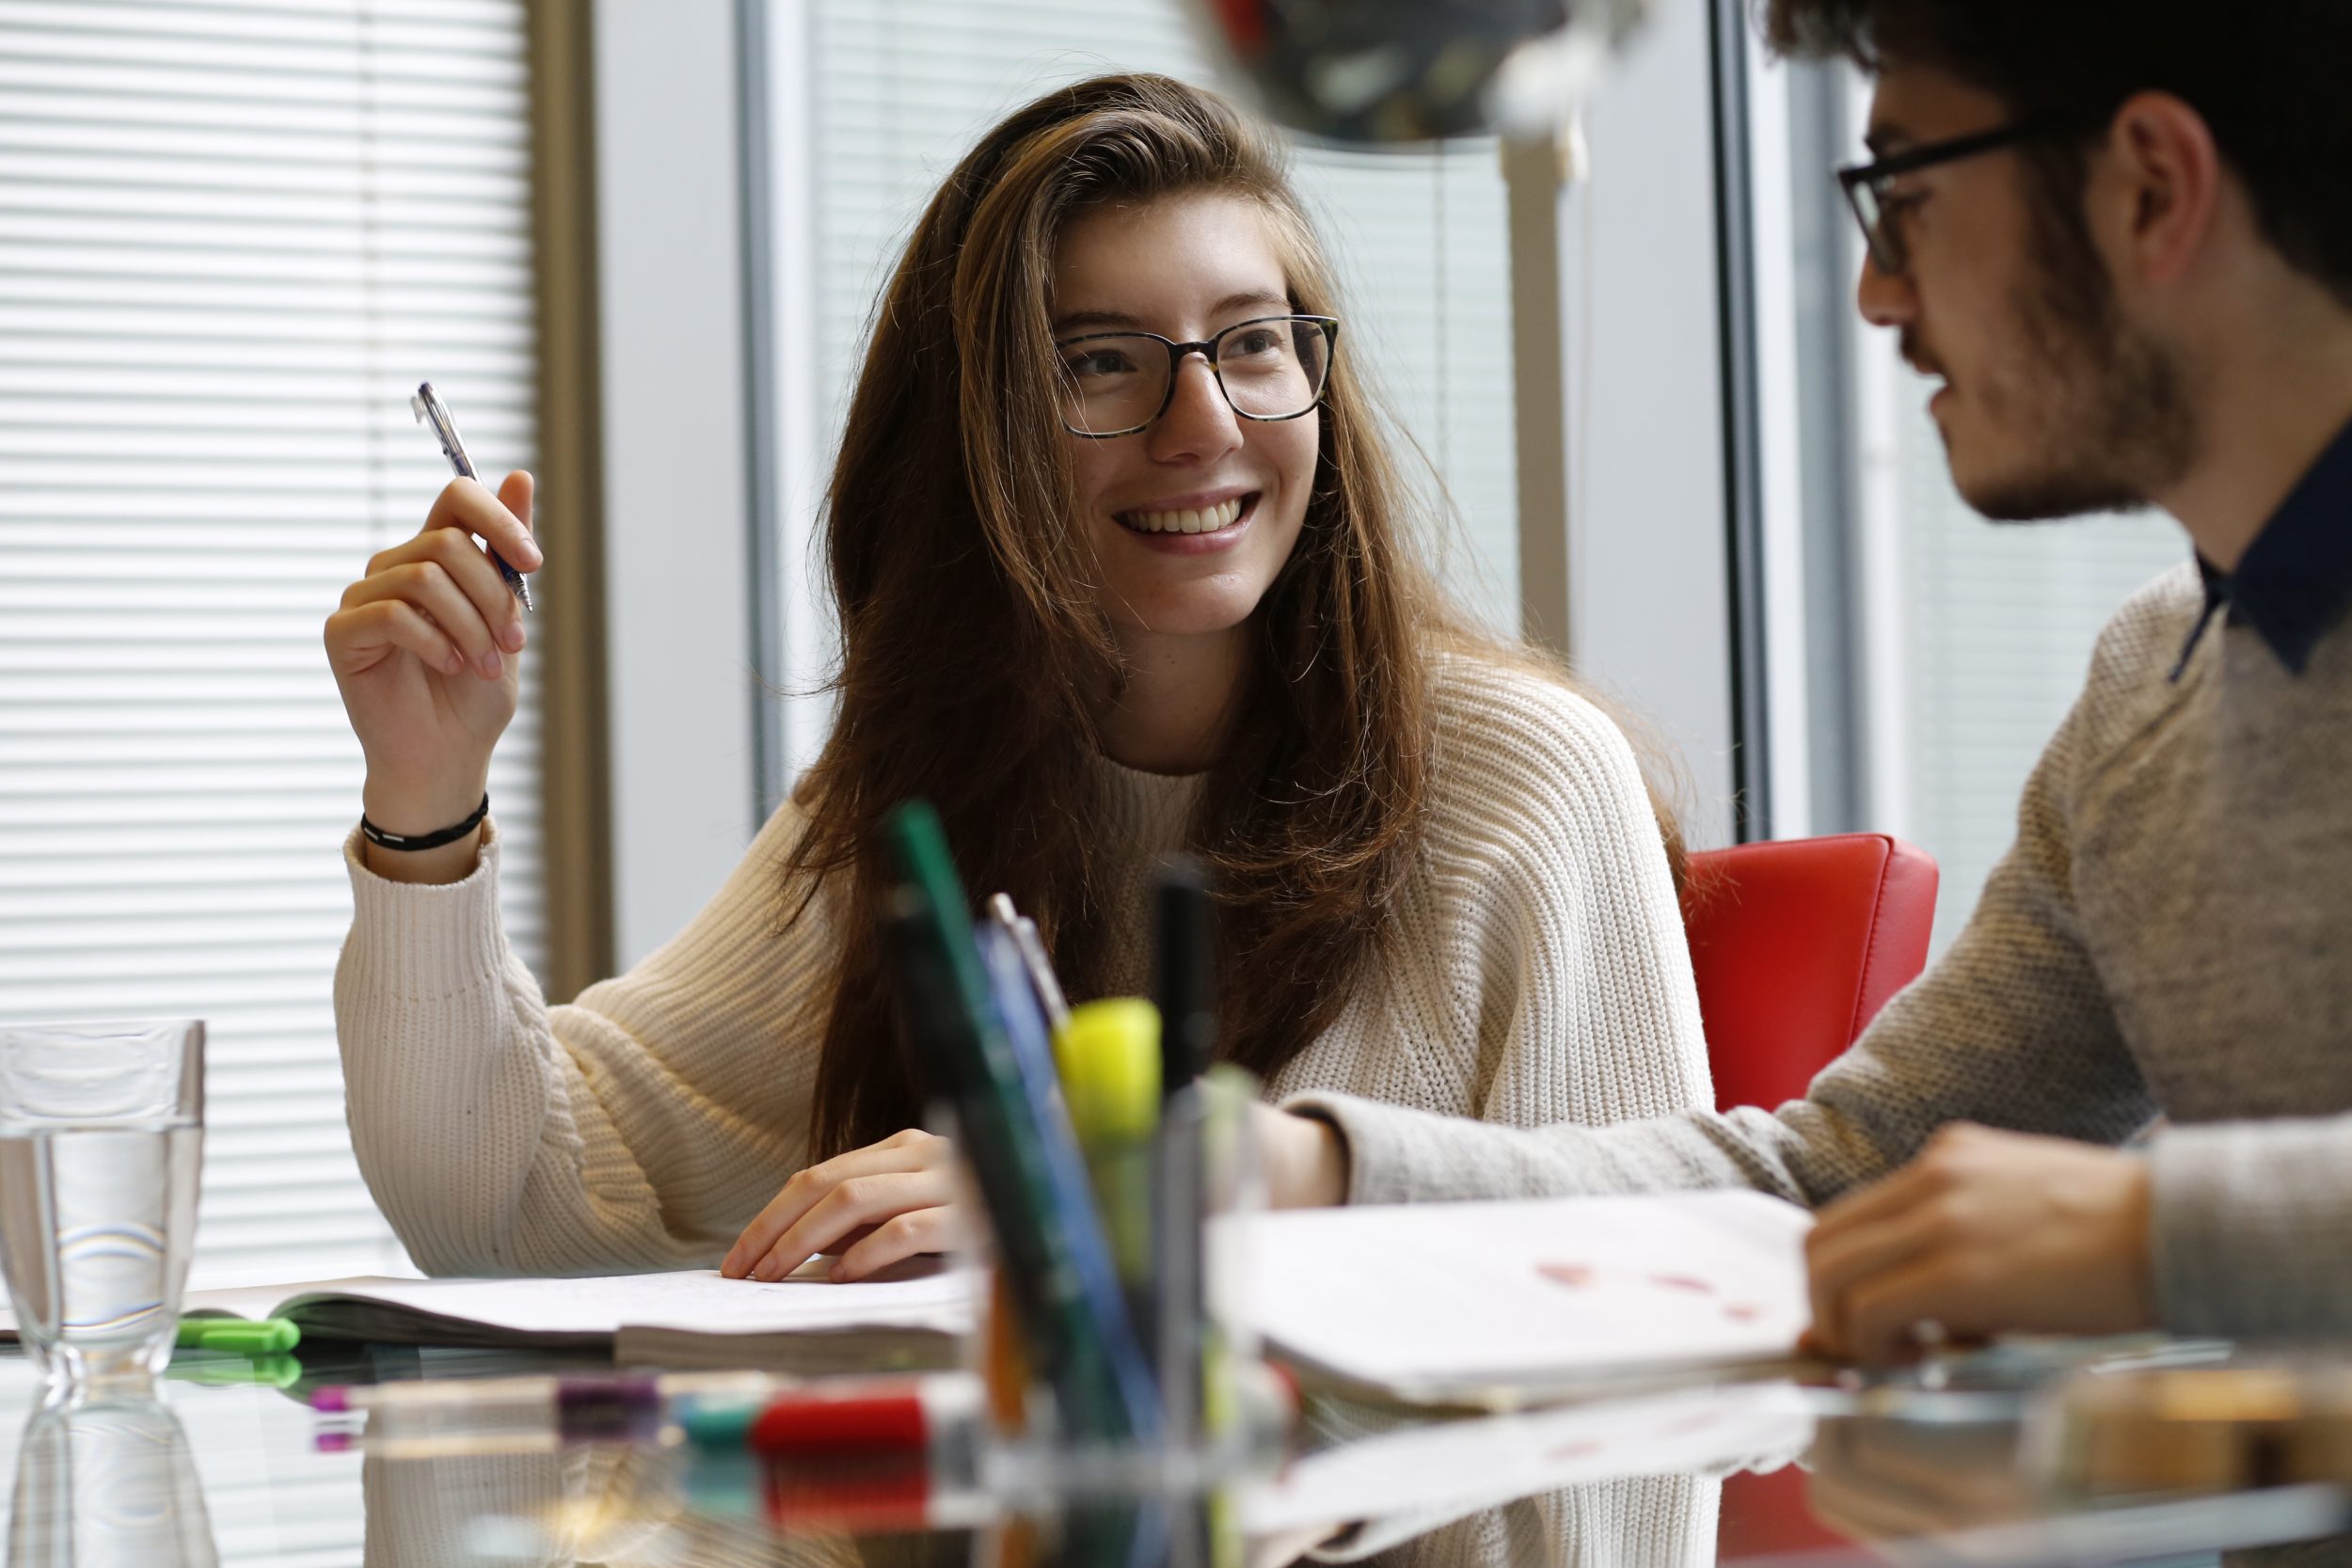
(1387, 73)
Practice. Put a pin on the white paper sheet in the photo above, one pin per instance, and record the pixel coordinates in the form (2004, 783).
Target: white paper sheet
(694, 1300)
(1444, 1300)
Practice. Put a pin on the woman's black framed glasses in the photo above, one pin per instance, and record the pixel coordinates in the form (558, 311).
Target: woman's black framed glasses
(1270, 368)
(1878, 208)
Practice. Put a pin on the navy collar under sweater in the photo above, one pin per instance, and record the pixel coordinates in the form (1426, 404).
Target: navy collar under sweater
(2295, 580)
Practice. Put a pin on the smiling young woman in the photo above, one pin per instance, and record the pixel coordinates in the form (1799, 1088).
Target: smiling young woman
(1121, 558)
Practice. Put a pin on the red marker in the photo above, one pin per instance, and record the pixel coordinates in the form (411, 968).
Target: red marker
(934, 1418)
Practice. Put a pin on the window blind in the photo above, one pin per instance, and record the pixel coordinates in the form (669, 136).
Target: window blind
(901, 89)
(232, 239)
(1999, 621)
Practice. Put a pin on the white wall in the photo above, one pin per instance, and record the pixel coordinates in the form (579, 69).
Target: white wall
(1650, 587)
(670, 253)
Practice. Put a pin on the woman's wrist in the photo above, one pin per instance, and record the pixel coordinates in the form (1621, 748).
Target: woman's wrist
(1304, 1159)
(420, 813)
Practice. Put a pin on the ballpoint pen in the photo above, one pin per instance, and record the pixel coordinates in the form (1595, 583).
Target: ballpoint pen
(429, 410)
(1040, 968)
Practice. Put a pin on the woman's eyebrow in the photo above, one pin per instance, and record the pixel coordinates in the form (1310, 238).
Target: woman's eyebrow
(1077, 319)
(1120, 319)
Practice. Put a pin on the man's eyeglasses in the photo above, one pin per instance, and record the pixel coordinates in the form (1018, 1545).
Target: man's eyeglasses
(1272, 368)
(1879, 207)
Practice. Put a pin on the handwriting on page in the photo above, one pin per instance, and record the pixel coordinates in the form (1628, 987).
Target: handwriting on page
(1632, 1287)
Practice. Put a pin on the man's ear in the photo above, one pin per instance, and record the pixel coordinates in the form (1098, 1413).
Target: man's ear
(2159, 195)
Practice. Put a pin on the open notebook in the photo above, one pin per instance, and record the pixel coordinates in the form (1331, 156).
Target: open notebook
(1501, 1304)
(914, 1318)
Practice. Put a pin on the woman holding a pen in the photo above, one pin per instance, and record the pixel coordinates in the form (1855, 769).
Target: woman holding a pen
(1121, 552)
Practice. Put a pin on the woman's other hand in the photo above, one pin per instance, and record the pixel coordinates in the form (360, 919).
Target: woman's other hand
(424, 650)
(875, 1206)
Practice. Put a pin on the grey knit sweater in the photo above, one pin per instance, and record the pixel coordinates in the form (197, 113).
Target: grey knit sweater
(2166, 937)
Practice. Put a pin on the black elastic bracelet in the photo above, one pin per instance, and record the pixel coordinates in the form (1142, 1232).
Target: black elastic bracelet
(378, 837)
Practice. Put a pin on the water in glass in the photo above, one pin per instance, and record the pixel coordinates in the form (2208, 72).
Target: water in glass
(95, 1225)
(100, 1141)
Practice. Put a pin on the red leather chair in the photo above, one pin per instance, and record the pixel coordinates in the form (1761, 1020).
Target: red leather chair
(1797, 945)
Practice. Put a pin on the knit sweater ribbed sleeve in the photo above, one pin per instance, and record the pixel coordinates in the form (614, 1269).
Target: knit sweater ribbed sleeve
(639, 1127)
(2012, 1028)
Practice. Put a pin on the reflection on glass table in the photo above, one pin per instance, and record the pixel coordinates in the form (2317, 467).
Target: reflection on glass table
(233, 1472)
(107, 1483)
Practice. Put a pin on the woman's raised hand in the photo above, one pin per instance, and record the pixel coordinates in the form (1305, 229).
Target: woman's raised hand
(874, 1205)
(425, 651)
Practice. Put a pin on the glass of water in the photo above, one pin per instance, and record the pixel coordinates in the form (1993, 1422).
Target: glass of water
(101, 1134)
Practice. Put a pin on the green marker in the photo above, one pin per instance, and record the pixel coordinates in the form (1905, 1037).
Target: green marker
(240, 1335)
(269, 1372)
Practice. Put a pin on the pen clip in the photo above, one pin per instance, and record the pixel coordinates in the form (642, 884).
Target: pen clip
(428, 408)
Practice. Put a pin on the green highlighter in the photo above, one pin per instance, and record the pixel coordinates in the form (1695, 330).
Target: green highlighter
(240, 1335)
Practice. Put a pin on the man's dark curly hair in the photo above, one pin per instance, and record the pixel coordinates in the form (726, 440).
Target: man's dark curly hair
(2268, 76)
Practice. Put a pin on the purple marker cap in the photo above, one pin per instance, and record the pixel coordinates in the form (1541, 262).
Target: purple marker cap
(334, 1442)
(333, 1400)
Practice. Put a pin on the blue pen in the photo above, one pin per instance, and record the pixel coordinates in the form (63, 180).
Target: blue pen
(429, 410)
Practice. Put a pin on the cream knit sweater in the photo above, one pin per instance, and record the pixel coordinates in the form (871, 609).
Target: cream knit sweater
(1541, 977)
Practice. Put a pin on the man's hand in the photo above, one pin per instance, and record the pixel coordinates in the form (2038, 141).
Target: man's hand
(1304, 1159)
(875, 1206)
(1984, 1233)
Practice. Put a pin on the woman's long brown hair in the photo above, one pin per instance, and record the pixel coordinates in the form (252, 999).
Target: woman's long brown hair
(976, 657)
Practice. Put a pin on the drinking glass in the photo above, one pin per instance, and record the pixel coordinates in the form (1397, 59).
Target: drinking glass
(102, 1133)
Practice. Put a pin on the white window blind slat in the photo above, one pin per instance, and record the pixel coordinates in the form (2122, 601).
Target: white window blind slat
(49, 265)
(902, 87)
(207, 240)
(214, 91)
(77, 126)
(2001, 621)
(233, 238)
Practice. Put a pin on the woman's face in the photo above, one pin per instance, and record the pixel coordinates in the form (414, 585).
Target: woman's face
(1194, 516)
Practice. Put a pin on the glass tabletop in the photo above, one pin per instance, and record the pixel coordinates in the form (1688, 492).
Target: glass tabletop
(226, 1467)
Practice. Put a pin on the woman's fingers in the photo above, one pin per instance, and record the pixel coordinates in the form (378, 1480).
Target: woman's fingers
(858, 1202)
(466, 505)
(439, 581)
(358, 639)
(515, 492)
(903, 1152)
(908, 1235)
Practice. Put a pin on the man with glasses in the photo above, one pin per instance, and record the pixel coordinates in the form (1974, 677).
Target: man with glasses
(2117, 233)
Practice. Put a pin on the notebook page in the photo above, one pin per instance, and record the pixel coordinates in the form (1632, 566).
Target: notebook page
(925, 1295)
(691, 1300)
(1470, 1295)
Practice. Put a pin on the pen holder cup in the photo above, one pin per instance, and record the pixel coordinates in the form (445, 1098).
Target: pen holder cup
(1067, 1421)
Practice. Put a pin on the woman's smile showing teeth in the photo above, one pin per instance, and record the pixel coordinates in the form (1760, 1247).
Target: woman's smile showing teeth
(1213, 518)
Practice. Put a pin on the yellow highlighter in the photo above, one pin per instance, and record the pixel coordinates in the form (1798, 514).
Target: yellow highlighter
(1108, 1057)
